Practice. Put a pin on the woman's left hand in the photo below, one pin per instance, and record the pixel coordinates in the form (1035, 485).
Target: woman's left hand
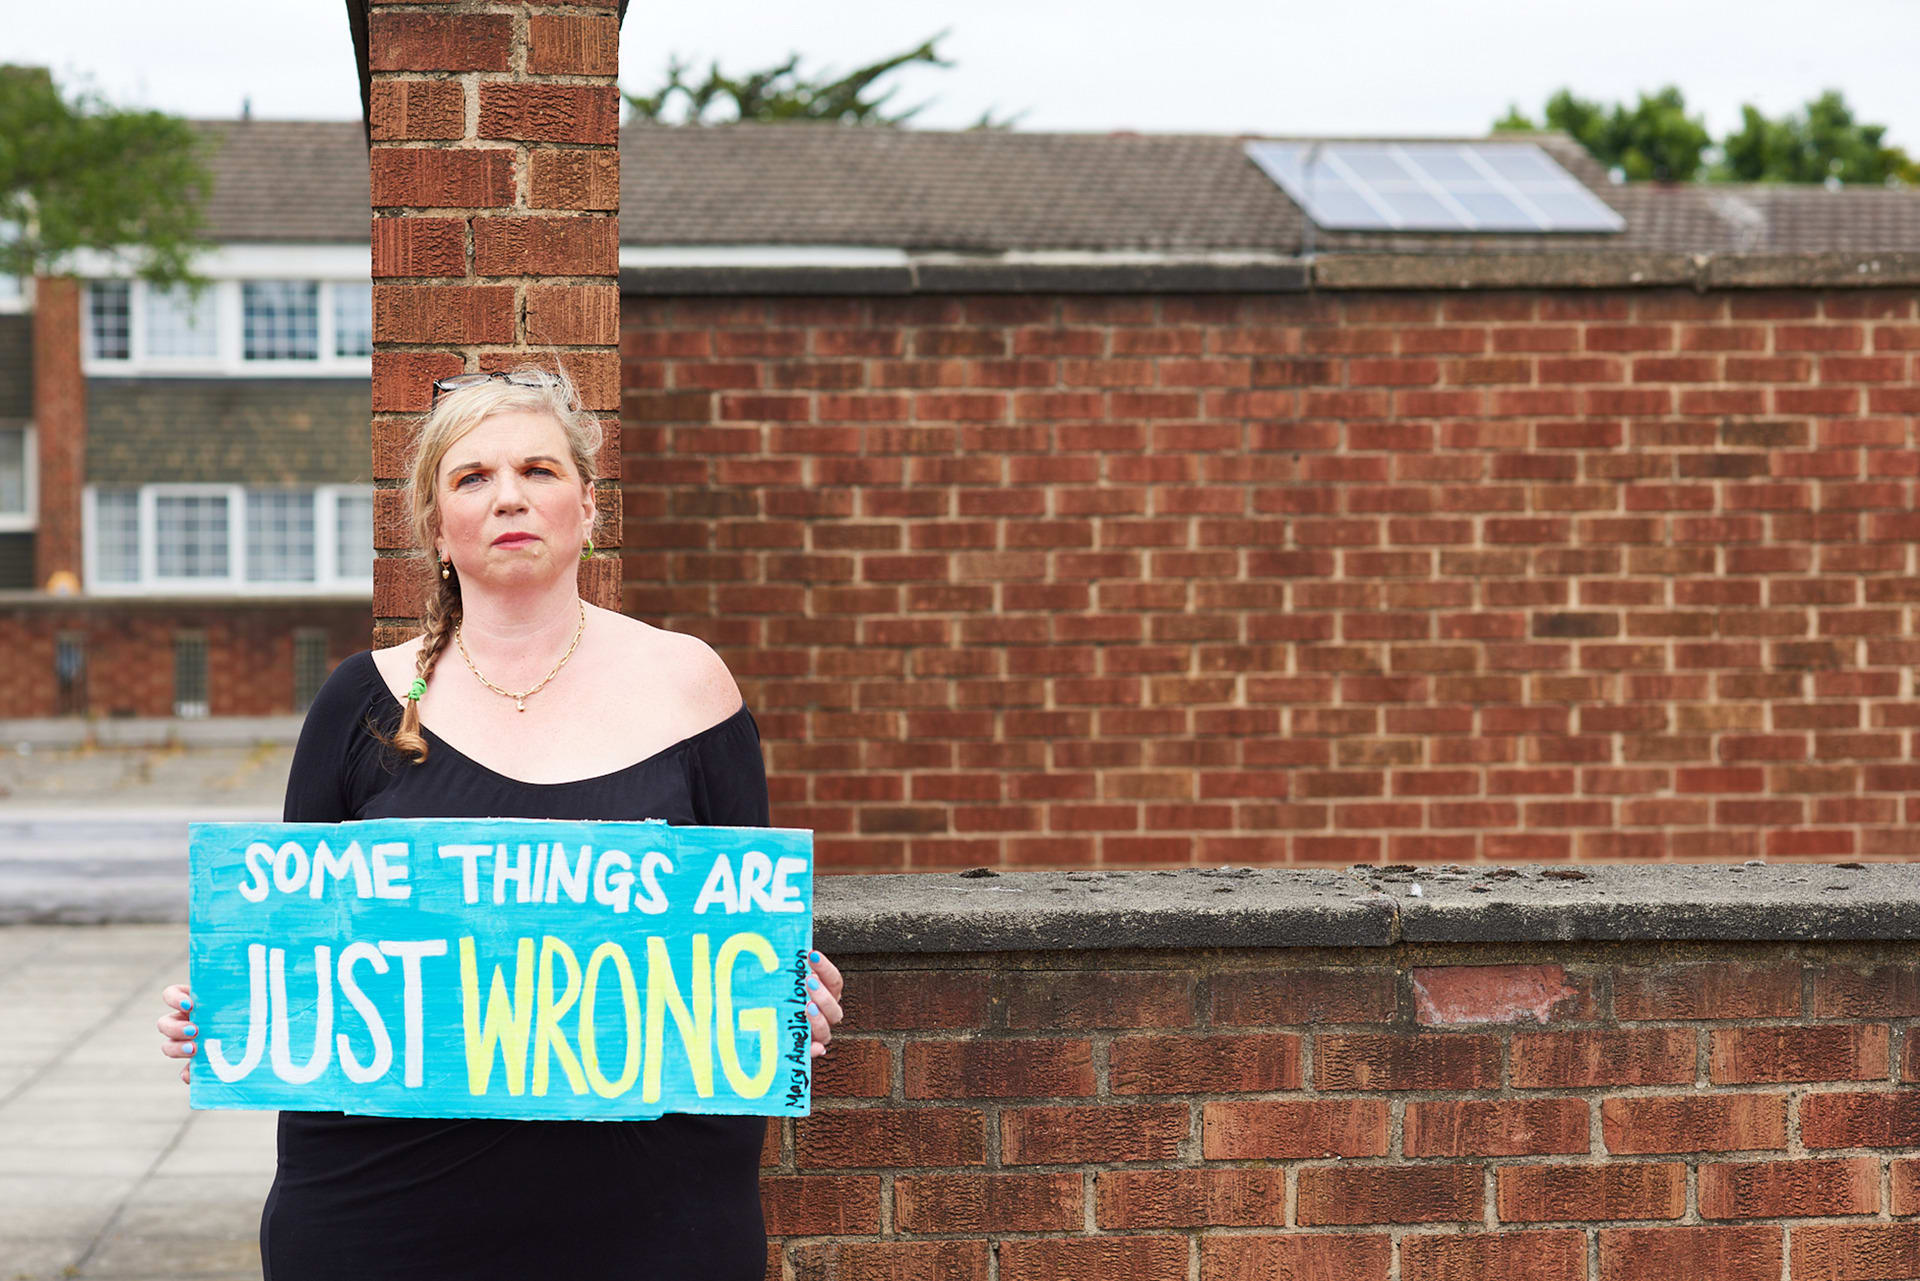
(824, 986)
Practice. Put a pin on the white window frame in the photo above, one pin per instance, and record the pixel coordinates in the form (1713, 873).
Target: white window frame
(327, 579)
(21, 522)
(227, 268)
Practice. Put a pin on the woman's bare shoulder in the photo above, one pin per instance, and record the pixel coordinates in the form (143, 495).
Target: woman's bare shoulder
(700, 675)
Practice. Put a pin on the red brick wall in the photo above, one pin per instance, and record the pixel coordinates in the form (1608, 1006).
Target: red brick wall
(1596, 1114)
(129, 651)
(496, 196)
(1512, 576)
(60, 428)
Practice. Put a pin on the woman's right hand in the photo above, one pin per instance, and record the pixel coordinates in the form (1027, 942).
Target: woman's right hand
(178, 1028)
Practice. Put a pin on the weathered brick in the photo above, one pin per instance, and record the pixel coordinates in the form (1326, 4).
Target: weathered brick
(1495, 1127)
(586, 114)
(988, 1202)
(1069, 1135)
(1387, 1194)
(1485, 1256)
(1352, 1256)
(404, 109)
(573, 44)
(403, 383)
(419, 247)
(1278, 1130)
(574, 178)
(1190, 1198)
(573, 315)
(443, 313)
(998, 1068)
(835, 1138)
(1749, 1253)
(1795, 1188)
(438, 177)
(439, 42)
(1573, 1193)
(890, 1261)
(580, 245)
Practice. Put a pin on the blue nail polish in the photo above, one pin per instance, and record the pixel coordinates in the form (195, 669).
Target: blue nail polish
(189, 1030)
(186, 1002)
(812, 1008)
(812, 982)
(814, 956)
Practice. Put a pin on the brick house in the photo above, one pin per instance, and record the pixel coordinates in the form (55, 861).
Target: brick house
(1077, 499)
(211, 550)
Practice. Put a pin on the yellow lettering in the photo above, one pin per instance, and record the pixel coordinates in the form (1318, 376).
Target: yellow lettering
(630, 997)
(696, 1025)
(506, 1020)
(758, 1020)
(547, 1036)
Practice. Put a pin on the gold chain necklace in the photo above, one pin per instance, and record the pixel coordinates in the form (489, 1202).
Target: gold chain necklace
(520, 700)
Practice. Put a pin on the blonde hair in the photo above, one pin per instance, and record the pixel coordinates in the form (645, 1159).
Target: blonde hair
(535, 390)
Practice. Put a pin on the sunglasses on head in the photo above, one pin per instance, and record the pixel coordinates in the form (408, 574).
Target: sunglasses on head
(455, 382)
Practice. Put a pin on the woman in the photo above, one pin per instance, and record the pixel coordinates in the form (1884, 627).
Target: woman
(501, 493)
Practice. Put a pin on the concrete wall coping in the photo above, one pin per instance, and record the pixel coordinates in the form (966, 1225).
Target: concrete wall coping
(1573, 269)
(1365, 906)
(149, 731)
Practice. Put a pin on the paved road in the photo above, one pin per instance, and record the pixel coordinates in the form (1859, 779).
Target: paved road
(94, 834)
(107, 1173)
(101, 864)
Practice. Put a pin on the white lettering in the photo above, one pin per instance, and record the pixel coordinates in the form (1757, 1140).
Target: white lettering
(390, 868)
(382, 1045)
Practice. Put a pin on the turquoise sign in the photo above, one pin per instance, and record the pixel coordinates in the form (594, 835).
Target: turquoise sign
(523, 968)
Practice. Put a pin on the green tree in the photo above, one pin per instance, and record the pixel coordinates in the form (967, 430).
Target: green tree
(783, 93)
(82, 174)
(1657, 139)
(1820, 142)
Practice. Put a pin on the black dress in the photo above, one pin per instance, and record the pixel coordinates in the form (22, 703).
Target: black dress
(361, 1198)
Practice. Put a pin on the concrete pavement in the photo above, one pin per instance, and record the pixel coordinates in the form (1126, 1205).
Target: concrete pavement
(93, 827)
(106, 1171)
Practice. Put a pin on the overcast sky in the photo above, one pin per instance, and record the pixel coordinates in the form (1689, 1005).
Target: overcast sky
(1413, 67)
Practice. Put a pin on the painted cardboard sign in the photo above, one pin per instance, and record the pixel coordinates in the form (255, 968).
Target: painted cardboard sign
(524, 968)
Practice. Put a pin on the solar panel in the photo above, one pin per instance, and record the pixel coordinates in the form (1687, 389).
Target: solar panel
(1433, 186)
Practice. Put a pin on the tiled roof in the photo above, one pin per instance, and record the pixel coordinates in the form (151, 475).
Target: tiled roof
(993, 191)
(298, 180)
(265, 431)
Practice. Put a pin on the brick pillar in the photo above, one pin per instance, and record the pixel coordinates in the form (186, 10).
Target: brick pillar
(496, 198)
(60, 430)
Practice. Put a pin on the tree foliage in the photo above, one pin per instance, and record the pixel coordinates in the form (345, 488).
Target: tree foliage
(1658, 139)
(784, 93)
(82, 174)
(1824, 141)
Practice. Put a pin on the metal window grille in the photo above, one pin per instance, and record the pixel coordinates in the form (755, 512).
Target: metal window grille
(180, 325)
(189, 674)
(309, 666)
(116, 535)
(280, 545)
(190, 535)
(280, 319)
(352, 319)
(109, 307)
(353, 530)
(70, 674)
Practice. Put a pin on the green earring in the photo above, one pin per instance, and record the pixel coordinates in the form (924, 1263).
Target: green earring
(588, 549)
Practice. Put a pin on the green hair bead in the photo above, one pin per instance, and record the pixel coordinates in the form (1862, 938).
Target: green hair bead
(415, 690)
